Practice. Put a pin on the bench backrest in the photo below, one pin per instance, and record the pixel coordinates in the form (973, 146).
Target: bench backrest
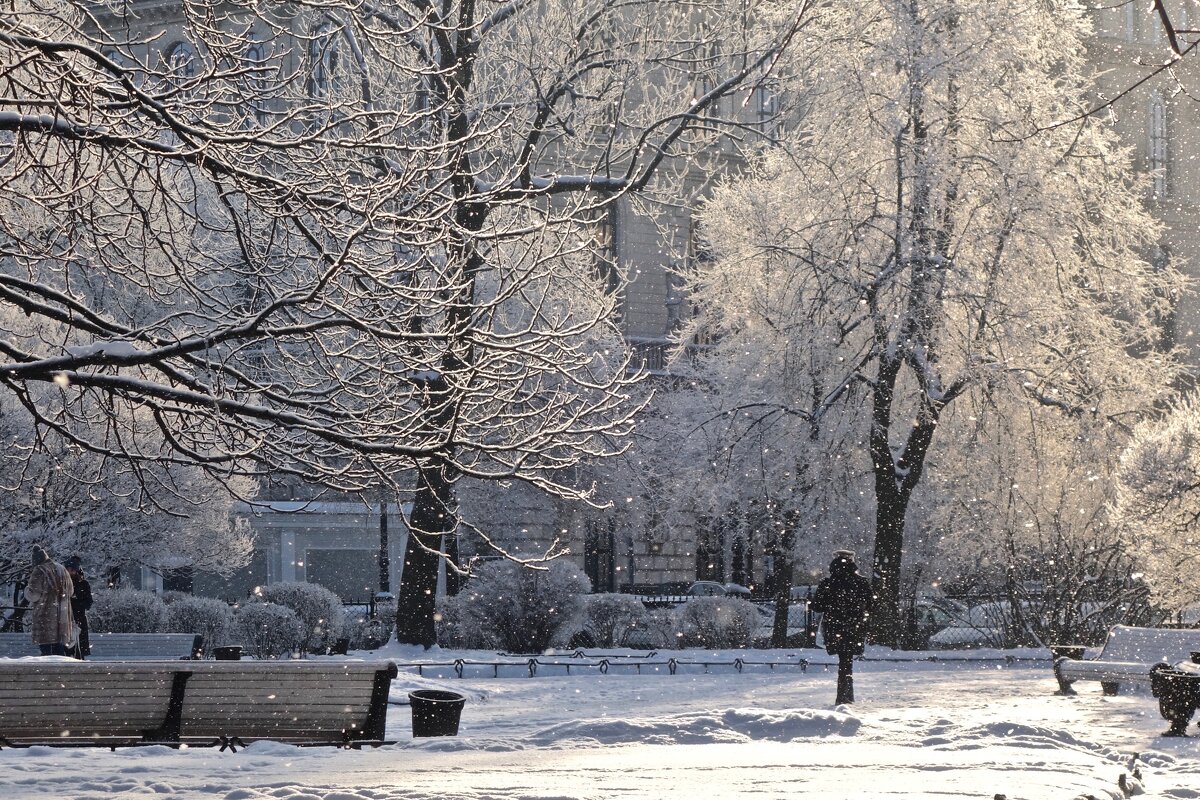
(61, 700)
(298, 701)
(111, 646)
(1149, 645)
(133, 646)
(44, 699)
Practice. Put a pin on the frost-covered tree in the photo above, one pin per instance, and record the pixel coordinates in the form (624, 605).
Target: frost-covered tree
(354, 243)
(1019, 511)
(107, 510)
(915, 244)
(1157, 503)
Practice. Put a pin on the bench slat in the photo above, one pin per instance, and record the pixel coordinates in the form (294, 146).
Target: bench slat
(70, 702)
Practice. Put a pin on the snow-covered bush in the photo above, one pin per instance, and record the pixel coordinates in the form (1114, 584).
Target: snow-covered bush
(268, 630)
(718, 622)
(659, 630)
(461, 628)
(527, 610)
(609, 618)
(127, 611)
(319, 609)
(205, 616)
(366, 632)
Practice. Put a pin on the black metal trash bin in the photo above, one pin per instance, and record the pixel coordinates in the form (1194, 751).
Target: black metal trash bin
(435, 713)
(231, 652)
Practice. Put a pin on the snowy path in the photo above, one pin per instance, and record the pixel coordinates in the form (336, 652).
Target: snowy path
(919, 731)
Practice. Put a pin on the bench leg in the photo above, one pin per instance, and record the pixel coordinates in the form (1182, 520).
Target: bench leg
(230, 743)
(1064, 685)
(172, 722)
(1110, 688)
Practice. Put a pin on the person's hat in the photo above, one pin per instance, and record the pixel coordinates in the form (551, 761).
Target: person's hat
(73, 562)
(38, 555)
(847, 554)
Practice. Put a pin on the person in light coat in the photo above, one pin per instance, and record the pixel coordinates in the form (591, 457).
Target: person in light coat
(49, 593)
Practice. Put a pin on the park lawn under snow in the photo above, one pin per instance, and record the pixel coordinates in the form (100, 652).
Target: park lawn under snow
(920, 729)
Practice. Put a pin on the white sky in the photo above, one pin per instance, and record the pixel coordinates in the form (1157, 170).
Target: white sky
(919, 730)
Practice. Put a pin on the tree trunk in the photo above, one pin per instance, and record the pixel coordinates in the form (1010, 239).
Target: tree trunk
(433, 518)
(782, 578)
(890, 512)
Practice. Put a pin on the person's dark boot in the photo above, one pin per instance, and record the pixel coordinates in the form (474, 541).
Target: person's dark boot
(845, 680)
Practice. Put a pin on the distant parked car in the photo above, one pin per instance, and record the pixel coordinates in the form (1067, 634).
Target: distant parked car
(982, 625)
(795, 624)
(714, 589)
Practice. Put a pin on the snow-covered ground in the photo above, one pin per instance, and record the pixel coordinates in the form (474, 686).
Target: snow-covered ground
(920, 729)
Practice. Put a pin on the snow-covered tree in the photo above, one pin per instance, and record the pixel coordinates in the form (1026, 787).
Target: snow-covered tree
(915, 244)
(1018, 510)
(110, 511)
(1157, 503)
(350, 242)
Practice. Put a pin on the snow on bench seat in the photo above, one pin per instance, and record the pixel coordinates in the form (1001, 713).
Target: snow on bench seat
(1127, 656)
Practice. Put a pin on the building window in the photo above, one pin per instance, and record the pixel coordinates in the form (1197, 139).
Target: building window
(1158, 146)
(699, 256)
(180, 63)
(606, 258)
(324, 58)
(766, 108)
(254, 60)
(599, 555)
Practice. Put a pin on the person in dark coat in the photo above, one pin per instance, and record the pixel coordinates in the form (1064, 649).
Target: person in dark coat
(81, 601)
(845, 600)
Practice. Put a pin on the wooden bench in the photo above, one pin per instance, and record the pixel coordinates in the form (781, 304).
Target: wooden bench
(1127, 657)
(116, 646)
(227, 703)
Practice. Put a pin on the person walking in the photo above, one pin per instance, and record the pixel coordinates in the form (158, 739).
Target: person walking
(49, 593)
(845, 600)
(81, 601)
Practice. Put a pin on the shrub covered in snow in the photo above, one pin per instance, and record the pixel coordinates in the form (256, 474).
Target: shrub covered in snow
(718, 622)
(660, 629)
(206, 616)
(611, 617)
(369, 633)
(127, 611)
(268, 630)
(364, 633)
(526, 610)
(319, 609)
(461, 628)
